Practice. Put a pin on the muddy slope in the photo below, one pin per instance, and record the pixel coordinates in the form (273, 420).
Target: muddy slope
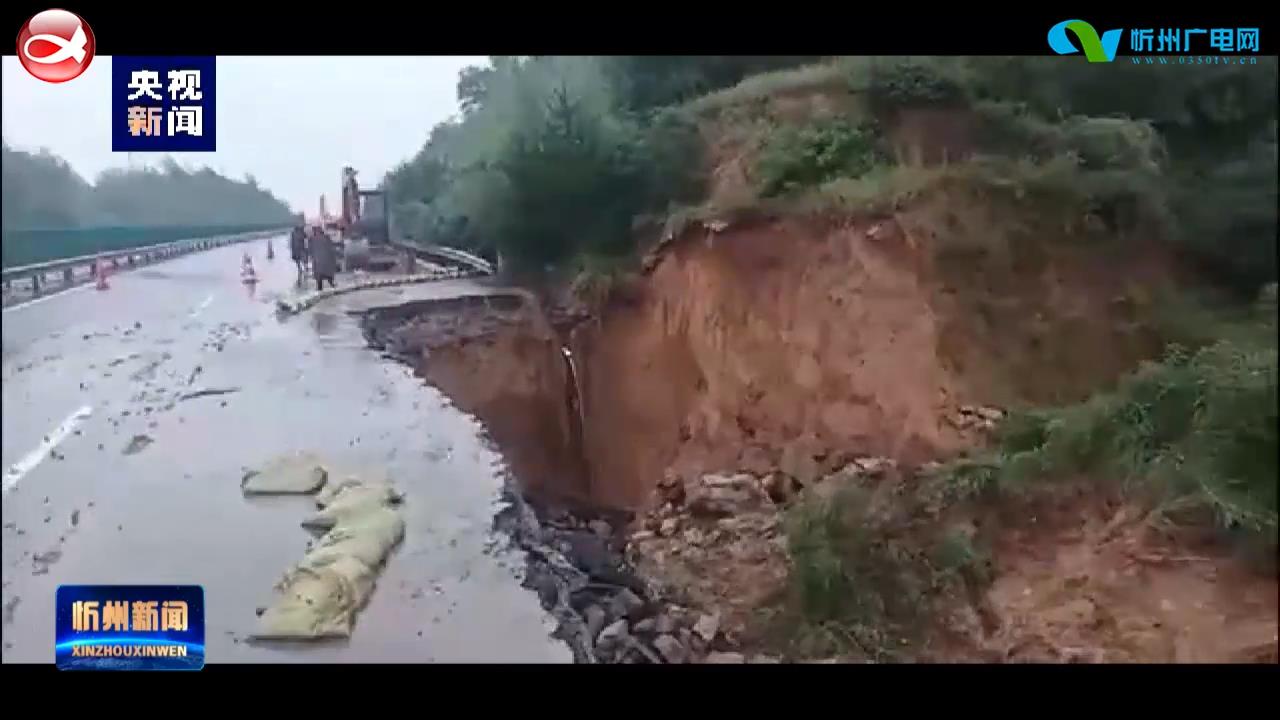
(794, 343)
(1079, 576)
(498, 359)
(808, 347)
(791, 344)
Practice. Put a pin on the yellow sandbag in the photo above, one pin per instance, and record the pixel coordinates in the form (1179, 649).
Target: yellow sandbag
(368, 536)
(320, 597)
(299, 473)
(313, 604)
(357, 577)
(335, 486)
(351, 502)
(341, 478)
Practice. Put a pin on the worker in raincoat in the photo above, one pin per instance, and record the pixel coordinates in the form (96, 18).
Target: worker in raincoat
(298, 250)
(324, 258)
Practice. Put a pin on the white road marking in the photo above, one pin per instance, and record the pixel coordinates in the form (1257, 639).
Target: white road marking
(42, 298)
(19, 469)
(200, 308)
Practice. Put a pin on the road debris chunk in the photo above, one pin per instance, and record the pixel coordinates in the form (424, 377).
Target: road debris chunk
(300, 473)
(206, 392)
(137, 444)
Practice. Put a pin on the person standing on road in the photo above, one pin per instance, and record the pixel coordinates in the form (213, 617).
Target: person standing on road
(298, 251)
(324, 258)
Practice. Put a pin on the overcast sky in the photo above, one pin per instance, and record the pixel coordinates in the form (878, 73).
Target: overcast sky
(292, 122)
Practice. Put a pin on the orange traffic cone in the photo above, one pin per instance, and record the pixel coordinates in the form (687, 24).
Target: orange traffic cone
(102, 276)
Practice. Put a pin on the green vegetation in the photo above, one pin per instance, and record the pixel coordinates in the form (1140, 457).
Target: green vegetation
(850, 575)
(579, 163)
(865, 575)
(759, 88)
(556, 157)
(27, 247)
(43, 192)
(1198, 430)
(646, 81)
(901, 83)
(1193, 437)
(1189, 158)
(809, 155)
(1217, 175)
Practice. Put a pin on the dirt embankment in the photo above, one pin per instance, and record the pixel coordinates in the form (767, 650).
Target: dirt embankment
(793, 344)
(1086, 578)
(791, 348)
(497, 358)
(755, 358)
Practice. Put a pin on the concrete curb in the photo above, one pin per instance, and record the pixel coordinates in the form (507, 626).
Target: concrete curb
(293, 307)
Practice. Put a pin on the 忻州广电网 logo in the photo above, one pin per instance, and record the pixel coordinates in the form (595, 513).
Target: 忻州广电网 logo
(1071, 37)
(1096, 48)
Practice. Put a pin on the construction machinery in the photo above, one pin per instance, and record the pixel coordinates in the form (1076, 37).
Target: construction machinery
(365, 226)
(370, 243)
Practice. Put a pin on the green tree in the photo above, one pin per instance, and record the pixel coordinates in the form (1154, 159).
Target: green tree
(42, 191)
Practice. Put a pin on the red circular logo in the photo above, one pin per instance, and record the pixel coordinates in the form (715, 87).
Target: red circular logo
(55, 45)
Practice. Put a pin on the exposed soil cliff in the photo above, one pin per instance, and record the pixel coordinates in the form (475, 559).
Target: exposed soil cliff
(797, 343)
(497, 358)
(754, 357)
(793, 343)
(786, 348)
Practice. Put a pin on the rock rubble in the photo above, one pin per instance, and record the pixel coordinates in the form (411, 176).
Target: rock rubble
(604, 611)
(976, 417)
(713, 546)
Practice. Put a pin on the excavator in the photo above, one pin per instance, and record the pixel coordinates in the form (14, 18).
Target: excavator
(365, 227)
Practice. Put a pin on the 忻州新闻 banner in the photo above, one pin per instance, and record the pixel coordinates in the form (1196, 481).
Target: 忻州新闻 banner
(163, 103)
(129, 627)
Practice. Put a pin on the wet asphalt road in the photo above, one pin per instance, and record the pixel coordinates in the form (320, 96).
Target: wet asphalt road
(86, 372)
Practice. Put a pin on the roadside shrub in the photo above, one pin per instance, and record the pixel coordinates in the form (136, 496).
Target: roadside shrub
(916, 82)
(808, 155)
(1112, 143)
(1122, 199)
(884, 188)
(674, 153)
(1227, 217)
(1194, 151)
(649, 81)
(1198, 427)
(1111, 168)
(759, 88)
(1217, 121)
(863, 579)
(565, 184)
(598, 277)
(1099, 143)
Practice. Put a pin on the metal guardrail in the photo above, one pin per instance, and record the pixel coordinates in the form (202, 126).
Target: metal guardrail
(454, 255)
(37, 274)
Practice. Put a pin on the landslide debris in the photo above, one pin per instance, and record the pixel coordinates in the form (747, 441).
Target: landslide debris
(604, 610)
(717, 543)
